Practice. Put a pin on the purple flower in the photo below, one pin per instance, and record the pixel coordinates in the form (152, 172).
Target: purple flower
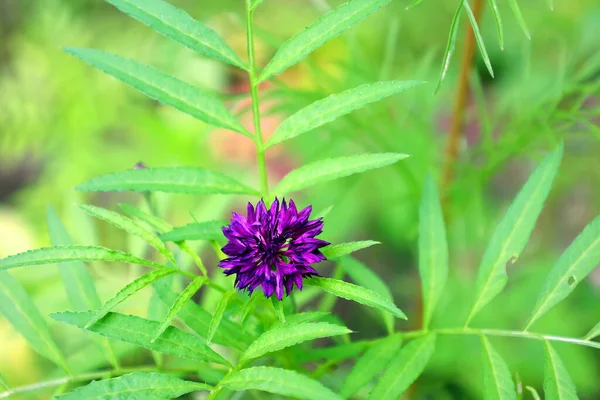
(273, 249)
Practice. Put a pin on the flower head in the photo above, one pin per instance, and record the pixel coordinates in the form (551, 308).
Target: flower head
(272, 248)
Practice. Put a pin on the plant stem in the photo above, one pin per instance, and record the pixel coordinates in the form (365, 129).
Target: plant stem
(258, 139)
(218, 388)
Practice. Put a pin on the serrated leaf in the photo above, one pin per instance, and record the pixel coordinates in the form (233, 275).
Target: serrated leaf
(478, 38)
(355, 293)
(138, 331)
(190, 180)
(407, 365)
(209, 230)
(128, 291)
(162, 87)
(375, 359)
(497, 382)
(451, 45)
(342, 249)
(278, 381)
(514, 5)
(498, 19)
(23, 315)
(130, 226)
(218, 315)
(433, 249)
(513, 231)
(287, 335)
(181, 27)
(593, 333)
(558, 385)
(364, 277)
(57, 254)
(578, 261)
(158, 224)
(314, 36)
(333, 168)
(328, 109)
(178, 304)
(137, 385)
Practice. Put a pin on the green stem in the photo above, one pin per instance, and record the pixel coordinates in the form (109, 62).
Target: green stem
(258, 138)
(218, 388)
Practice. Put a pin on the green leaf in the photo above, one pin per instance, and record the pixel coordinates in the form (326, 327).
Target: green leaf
(179, 26)
(209, 230)
(334, 353)
(558, 385)
(307, 316)
(498, 19)
(533, 392)
(158, 224)
(287, 335)
(478, 38)
(129, 226)
(328, 109)
(364, 277)
(314, 36)
(278, 308)
(512, 233)
(413, 4)
(407, 365)
(514, 5)
(57, 254)
(433, 249)
(593, 333)
(218, 315)
(23, 315)
(128, 291)
(582, 256)
(138, 385)
(497, 383)
(78, 282)
(178, 304)
(278, 381)
(138, 331)
(342, 249)
(375, 359)
(451, 45)
(333, 168)
(355, 293)
(190, 180)
(3, 384)
(162, 87)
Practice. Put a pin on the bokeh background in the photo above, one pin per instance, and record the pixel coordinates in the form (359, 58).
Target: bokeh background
(62, 122)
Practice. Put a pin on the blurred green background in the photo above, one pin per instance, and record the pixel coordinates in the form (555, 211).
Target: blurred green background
(61, 123)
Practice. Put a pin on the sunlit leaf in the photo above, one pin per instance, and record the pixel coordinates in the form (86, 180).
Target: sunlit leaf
(342, 249)
(593, 333)
(218, 315)
(279, 381)
(451, 45)
(326, 110)
(156, 223)
(314, 36)
(162, 87)
(138, 385)
(138, 331)
(209, 230)
(478, 38)
(375, 359)
(408, 364)
(178, 25)
(497, 382)
(333, 168)
(582, 256)
(513, 231)
(433, 249)
(558, 385)
(514, 5)
(189, 180)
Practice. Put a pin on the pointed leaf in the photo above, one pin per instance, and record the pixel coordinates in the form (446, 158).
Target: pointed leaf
(307, 316)
(23, 315)
(138, 331)
(356, 293)
(218, 315)
(558, 385)
(343, 249)
(514, 5)
(128, 291)
(334, 353)
(314, 36)
(138, 385)
(162, 87)
(451, 45)
(593, 333)
(333, 168)
(512, 233)
(497, 382)
(405, 368)
(328, 109)
(582, 256)
(498, 19)
(289, 335)
(375, 359)
(190, 180)
(478, 38)
(433, 249)
(57, 254)
(179, 26)
(533, 392)
(278, 309)
(156, 223)
(178, 304)
(278, 381)
(209, 230)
